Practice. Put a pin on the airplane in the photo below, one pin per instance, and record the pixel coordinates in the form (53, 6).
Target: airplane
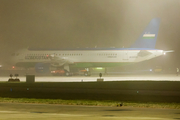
(143, 49)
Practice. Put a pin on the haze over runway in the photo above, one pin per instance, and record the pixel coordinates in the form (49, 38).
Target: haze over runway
(158, 77)
(81, 24)
(68, 24)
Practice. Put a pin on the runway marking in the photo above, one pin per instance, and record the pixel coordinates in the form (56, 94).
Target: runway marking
(134, 118)
(66, 115)
(9, 112)
(42, 113)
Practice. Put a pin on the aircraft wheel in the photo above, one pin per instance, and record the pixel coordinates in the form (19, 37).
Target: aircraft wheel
(67, 74)
(87, 74)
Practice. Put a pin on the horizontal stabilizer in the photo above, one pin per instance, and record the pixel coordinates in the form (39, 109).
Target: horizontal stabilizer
(169, 51)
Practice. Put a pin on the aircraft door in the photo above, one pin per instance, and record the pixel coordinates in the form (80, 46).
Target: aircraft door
(125, 57)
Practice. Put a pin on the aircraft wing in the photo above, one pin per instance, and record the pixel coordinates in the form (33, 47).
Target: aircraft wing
(59, 61)
(143, 53)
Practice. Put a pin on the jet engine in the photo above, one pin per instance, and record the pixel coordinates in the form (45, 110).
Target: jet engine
(42, 67)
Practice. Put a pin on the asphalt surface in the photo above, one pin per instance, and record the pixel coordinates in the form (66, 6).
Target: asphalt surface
(145, 88)
(93, 78)
(16, 111)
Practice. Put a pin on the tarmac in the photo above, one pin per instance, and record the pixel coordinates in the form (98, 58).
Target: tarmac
(93, 78)
(20, 111)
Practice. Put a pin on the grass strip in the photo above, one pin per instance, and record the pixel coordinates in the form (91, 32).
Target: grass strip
(91, 103)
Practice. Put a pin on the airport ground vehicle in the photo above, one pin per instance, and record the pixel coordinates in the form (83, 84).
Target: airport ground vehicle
(63, 72)
(158, 69)
(58, 72)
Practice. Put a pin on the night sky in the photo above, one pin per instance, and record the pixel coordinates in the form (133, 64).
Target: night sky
(87, 23)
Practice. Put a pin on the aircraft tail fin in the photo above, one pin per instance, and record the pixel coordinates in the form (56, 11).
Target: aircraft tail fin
(148, 38)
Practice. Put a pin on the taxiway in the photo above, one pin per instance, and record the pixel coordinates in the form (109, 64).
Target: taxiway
(153, 77)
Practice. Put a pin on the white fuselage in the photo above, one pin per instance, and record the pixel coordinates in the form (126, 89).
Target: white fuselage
(85, 56)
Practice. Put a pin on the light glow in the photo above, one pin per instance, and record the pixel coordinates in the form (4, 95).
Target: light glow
(99, 68)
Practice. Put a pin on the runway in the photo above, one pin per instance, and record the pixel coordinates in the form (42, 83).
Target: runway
(149, 77)
(141, 87)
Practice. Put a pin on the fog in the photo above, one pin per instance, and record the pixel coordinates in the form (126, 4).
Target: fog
(87, 23)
